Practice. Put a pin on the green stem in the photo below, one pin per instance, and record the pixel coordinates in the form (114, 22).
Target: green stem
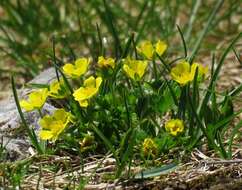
(140, 89)
(40, 113)
(155, 70)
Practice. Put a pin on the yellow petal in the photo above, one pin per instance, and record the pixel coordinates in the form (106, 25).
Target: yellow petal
(54, 87)
(45, 135)
(160, 47)
(90, 82)
(26, 105)
(129, 71)
(102, 62)
(181, 73)
(146, 48)
(98, 81)
(36, 100)
(53, 125)
(111, 62)
(141, 66)
(78, 68)
(84, 93)
(181, 79)
(81, 66)
(83, 103)
(134, 68)
(45, 122)
(91, 87)
(183, 67)
(78, 94)
(57, 89)
(68, 69)
(60, 114)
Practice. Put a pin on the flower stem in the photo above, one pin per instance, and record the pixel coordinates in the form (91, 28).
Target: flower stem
(40, 113)
(155, 70)
(140, 89)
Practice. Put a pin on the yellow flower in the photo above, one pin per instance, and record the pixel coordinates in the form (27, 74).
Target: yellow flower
(160, 47)
(102, 62)
(35, 101)
(135, 69)
(89, 89)
(146, 48)
(184, 73)
(77, 69)
(52, 126)
(174, 126)
(57, 89)
(149, 147)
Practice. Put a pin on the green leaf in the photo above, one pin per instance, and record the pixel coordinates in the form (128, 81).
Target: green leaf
(35, 85)
(156, 171)
(166, 101)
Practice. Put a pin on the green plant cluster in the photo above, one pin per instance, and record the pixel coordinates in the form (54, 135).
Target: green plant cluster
(122, 108)
(127, 96)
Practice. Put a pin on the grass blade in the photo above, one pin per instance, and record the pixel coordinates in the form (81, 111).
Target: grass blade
(30, 132)
(205, 30)
(101, 49)
(183, 41)
(53, 49)
(216, 72)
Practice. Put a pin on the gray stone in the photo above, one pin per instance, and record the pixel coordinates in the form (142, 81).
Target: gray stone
(12, 136)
